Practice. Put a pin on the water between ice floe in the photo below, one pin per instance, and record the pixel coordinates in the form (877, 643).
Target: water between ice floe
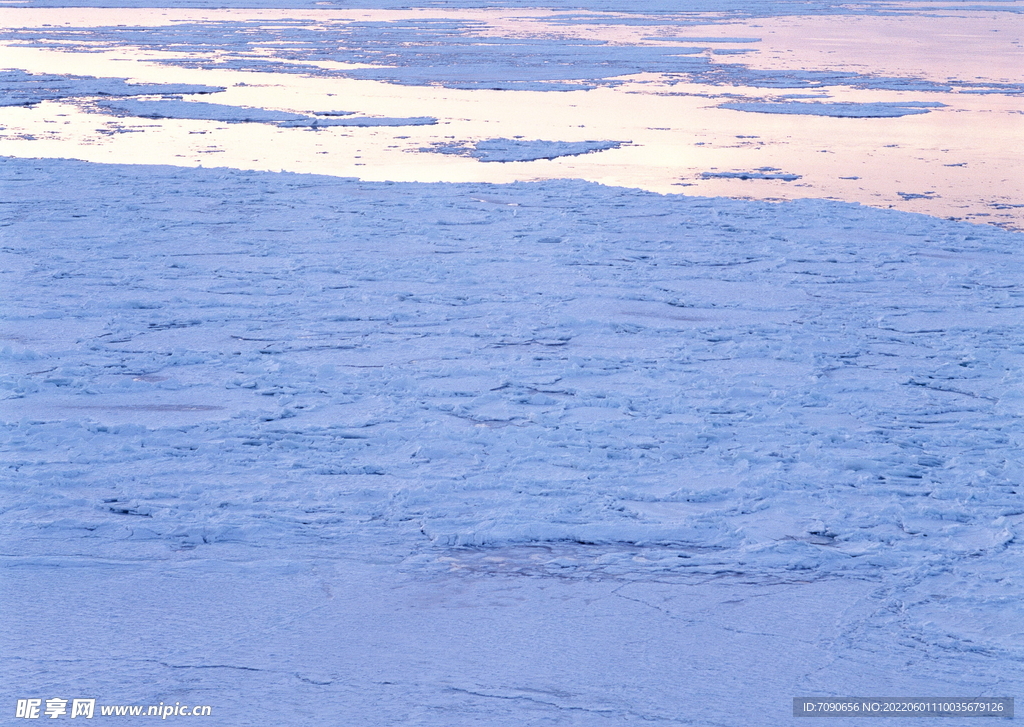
(868, 135)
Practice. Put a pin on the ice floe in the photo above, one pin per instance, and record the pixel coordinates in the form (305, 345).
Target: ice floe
(521, 150)
(175, 109)
(18, 88)
(760, 173)
(453, 53)
(838, 109)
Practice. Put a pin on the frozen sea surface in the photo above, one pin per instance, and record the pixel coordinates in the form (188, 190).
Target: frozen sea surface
(426, 426)
(556, 361)
(314, 450)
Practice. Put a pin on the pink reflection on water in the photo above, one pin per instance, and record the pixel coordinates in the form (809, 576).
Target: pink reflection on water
(958, 161)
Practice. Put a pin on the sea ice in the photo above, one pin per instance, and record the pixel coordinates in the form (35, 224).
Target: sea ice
(461, 451)
(174, 109)
(838, 109)
(319, 450)
(761, 173)
(521, 150)
(545, 362)
(18, 88)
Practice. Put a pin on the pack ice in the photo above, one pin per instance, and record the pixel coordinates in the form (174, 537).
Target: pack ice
(402, 384)
(314, 450)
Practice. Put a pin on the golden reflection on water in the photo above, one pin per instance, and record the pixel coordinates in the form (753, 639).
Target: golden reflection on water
(961, 161)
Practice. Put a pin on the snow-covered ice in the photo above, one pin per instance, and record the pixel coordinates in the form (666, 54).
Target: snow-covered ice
(317, 449)
(557, 382)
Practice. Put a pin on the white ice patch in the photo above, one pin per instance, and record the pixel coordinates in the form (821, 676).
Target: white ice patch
(521, 150)
(760, 173)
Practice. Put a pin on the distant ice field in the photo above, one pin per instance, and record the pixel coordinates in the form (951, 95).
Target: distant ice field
(914, 106)
(754, 8)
